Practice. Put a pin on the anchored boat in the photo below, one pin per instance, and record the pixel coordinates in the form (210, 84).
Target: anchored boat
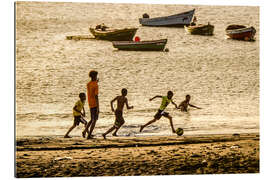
(154, 45)
(200, 29)
(175, 20)
(105, 33)
(240, 32)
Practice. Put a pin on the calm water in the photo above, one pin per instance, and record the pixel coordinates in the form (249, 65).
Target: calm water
(221, 75)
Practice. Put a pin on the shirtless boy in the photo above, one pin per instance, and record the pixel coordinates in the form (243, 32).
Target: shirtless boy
(119, 120)
(183, 106)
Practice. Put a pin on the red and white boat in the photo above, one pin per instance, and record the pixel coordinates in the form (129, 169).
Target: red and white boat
(241, 32)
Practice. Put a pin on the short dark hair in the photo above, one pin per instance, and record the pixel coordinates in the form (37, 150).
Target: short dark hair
(93, 74)
(170, 93)
(187, 96)
(124, 91)
(81, 95)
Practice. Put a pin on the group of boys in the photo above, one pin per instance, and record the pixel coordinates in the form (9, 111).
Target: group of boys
(93, 102)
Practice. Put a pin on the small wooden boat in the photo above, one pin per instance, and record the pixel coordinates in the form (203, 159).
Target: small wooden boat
(155, 45)
(177, 20)
(126, 34)
(240, 32)
(200, 29)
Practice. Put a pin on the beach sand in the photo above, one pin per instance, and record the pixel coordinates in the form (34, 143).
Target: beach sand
(129, 156)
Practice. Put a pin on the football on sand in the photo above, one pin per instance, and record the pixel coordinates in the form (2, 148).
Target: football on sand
(179, 131)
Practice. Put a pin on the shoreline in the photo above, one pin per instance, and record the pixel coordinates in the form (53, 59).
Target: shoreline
(129, 156)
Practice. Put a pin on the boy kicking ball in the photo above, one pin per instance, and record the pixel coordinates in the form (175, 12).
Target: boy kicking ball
(161, 112)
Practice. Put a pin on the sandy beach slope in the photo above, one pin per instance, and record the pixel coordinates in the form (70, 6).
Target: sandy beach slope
(128, 156)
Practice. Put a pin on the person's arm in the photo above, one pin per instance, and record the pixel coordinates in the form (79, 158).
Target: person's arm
(96, 98)
(175, 105)
(113, 102)
(194, 106)
(180, 105)
(155, 97)
(128, 107)
(75, 108)
(83, 112)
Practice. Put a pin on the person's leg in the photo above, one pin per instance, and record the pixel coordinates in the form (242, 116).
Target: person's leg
(70, 129)
(91, 128)
(116, 129)
(83, 121)
(120, 121)
(75, 123)
(156, 117)
(94, 119)
(86, 130)
(107, 132)
(171, 122)
(150, 122)
(115, 132)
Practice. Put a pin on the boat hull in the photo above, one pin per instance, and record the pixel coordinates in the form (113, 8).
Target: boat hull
(114, 35)
(206, 30)
(241, 33)
(177, 20)
(156, 45)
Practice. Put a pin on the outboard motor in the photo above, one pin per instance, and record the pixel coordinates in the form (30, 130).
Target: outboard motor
(145, 15)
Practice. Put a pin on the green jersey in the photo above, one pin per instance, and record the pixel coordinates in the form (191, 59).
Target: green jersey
(165, 102)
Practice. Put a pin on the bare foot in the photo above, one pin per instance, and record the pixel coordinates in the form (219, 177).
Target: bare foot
(66, 136)
(104, 136)
(114, 134)
(90, 136)
(141, 128)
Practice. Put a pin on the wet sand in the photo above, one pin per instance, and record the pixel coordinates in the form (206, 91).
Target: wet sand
(129, 156)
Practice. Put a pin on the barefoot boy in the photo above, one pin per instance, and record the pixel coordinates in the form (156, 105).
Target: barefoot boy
(184, 104)
(119, 120)
(161, 112)
(78, 115)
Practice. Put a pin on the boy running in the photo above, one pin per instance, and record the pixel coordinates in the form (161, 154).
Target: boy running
(184, 104)
(92, 93)
(119, 120)
(78, 115)
(161, 112)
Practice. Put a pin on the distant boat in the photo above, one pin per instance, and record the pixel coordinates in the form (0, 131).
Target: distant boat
(176, 20)
(240, 32)
(106, 33)
(200, 29)
(154, 45)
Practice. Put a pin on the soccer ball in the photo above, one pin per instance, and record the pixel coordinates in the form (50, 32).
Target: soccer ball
(179, 131)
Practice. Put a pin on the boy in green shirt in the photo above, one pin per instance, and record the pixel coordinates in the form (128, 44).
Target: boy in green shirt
(78, 115)
(161, 112)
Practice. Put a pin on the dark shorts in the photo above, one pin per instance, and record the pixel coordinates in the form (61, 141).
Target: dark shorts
(119, 120)
(94, 115)
(78, 120)
(161, 113)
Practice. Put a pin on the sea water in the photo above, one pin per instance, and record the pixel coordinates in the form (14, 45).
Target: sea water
(221, 75)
